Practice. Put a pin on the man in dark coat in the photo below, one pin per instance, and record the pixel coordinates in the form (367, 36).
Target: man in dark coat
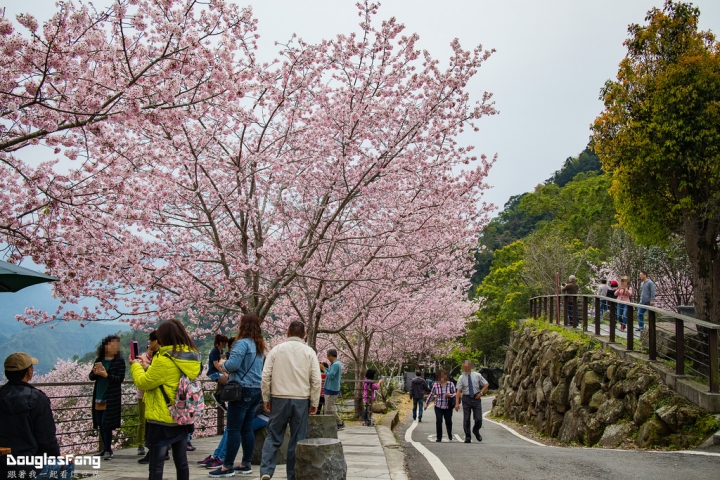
(27, 426)
(418, 389)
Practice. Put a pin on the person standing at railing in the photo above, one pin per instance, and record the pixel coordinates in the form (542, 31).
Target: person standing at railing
(332, 385)
(602, 292)
(146, 359)
(647, 297)
(623, 294)
(176, 357)
(571, 288)
(27, 425)
(108, 373)
(369, 389)
(244, 364)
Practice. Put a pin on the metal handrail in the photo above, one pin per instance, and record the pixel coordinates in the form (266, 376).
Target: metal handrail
(550, 304)
(670, 313)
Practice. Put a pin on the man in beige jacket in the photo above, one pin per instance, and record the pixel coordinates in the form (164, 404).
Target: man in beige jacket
(291, 392)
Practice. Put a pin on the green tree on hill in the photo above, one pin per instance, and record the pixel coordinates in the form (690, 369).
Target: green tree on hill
(659, 137)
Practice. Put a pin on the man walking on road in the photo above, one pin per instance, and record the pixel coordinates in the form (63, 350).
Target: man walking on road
(332, 385)
(418, 389)
(471, 386)
(291, 391)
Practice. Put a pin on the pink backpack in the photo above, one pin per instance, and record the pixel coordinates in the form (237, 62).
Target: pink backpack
(189, 402)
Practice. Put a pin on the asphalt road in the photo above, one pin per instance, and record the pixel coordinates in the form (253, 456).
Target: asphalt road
(503, 455)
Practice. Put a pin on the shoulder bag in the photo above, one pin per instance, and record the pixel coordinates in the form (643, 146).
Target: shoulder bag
(233, 391)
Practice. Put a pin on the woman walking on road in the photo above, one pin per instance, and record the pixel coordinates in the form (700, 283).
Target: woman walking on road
(108, 373)
(444, 392)
(177, 356)
(245, 365)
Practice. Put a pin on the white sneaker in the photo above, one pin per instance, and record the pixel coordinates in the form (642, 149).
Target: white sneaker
(265, 477)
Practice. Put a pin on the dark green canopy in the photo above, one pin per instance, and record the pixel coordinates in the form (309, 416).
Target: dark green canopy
(14, 278)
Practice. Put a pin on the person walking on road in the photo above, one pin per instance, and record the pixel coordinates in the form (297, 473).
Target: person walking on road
(333, 374)
(647, 297)
(443, 391)
(471, 386)
(244, 366)
(418, 389)
(290, 392)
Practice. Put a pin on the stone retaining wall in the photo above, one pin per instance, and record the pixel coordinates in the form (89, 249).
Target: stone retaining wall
(567, 388)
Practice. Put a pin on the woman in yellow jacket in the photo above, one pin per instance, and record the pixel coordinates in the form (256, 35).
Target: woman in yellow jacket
(177, 355)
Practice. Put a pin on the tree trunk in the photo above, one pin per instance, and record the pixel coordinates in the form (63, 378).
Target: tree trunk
(701, 242)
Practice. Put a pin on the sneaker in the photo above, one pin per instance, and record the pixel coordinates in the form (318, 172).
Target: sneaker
(141, 451)
(214, 463)
(145, 460)
(190, 447)
(265, 477)
(206, 460)
(341, 426)
(219, 473)
(97, 454)
(107, 455)
(638, 329)
(243, 470)
(219, 402)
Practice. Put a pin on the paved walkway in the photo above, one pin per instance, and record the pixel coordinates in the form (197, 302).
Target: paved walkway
(363, 453)
(505, 455)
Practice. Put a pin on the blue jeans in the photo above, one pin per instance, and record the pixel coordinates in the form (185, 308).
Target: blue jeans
(214, 376)
(603, 306)
(60, 471)
(641, 317)
(240, 414)
(284, 412)
(417, 405)
(622, 313)
(221, 449)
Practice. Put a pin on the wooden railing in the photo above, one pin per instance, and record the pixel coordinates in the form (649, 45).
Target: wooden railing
(689, 344)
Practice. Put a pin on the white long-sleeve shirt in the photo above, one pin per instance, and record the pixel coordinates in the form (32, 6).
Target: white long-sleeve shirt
(292, 371)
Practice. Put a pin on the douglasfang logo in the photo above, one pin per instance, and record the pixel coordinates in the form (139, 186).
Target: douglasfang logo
(38, 461)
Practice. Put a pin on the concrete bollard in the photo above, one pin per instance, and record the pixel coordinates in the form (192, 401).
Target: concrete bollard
(320, 459)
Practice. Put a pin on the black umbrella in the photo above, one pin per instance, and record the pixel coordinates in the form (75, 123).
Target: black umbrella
(14, 278)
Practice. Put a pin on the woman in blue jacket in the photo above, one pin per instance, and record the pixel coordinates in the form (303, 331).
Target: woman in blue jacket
(244, 364)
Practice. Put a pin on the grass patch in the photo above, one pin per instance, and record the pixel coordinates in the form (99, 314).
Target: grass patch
(572, 335)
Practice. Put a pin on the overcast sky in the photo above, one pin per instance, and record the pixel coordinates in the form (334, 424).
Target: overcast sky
(552, 58)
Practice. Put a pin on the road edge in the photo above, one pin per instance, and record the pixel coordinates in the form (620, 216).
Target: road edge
(394, 455)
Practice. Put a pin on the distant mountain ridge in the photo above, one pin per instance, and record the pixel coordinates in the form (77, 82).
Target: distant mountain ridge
(63, 341)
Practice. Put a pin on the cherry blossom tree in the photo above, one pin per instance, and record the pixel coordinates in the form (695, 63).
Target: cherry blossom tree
(319, 170)
(66, 87)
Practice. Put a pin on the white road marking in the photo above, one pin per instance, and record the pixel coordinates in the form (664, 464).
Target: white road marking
(459, 438)
(513, 431)
(440, 470)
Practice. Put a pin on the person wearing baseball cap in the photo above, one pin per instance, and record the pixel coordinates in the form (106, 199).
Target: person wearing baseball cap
(27, 426)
